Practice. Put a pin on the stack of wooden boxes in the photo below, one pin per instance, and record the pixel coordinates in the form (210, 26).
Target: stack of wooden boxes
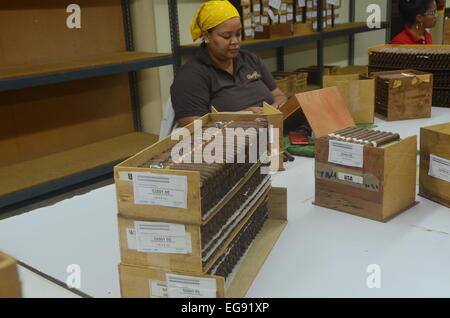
(9, 278)
(175, 241)
(403, 94)
(434, 59)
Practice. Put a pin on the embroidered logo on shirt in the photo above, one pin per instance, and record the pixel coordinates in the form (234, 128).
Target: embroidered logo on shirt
(254, 75)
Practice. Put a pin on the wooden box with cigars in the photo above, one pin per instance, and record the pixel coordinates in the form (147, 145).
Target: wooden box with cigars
(403, 94)
(248, 252)
(9, 278)
(434, 181)
(184, 204)
(363, 172)
(182, 212)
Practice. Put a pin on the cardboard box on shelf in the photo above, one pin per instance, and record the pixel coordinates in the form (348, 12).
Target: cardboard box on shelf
(434, 180)
(281, 29)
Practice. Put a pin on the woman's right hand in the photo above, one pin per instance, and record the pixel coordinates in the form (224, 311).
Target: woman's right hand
(254, 109)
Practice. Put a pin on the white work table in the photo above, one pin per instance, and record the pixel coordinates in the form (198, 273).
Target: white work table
(321, 253)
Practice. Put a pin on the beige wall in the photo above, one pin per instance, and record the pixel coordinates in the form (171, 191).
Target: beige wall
(149, 79)
(154, 34)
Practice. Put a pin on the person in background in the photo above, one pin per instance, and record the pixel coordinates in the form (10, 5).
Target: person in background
(221, 74)
(418, 15)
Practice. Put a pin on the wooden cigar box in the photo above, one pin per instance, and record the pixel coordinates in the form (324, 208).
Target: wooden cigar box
(375, 182)
(434, 181)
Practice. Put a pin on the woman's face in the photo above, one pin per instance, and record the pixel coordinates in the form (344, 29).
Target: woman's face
(225, 39)
(430, 17)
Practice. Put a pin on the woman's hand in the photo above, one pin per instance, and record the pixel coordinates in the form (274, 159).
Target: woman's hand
(254, 109)
(279, 98)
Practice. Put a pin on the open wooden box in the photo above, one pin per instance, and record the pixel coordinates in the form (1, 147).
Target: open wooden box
(358, 92)
(9, 278)
(144, 282)
(434, 183)
(388, 172)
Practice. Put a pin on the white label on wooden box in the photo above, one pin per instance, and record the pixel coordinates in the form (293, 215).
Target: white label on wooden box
(158, 289)
(249, 32)
(290, 17)
(283, 7)
(333, 2)
(345, 153)
(350, 178)
(179, 286)
(247, 23)
(439, 168)
(283, 18)
(264, 20)
(301, 3)
(160, 189)
(275, 4)
(290, 8)
(157, 237)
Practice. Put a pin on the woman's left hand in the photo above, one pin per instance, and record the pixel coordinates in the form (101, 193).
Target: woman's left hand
(279, 98)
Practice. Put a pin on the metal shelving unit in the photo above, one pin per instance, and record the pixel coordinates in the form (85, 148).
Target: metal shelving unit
(14, 78)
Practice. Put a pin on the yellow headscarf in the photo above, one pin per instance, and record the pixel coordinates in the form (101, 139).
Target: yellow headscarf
(211, 14)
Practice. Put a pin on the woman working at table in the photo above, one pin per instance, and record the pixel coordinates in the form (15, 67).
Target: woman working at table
(221, 74)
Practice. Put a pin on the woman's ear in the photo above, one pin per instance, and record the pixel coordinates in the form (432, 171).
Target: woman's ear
(419, 18)
(205, 36)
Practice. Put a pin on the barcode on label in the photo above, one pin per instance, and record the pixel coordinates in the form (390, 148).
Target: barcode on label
(158, 289)
(153, 237)
(181, 286)
(163, 190)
